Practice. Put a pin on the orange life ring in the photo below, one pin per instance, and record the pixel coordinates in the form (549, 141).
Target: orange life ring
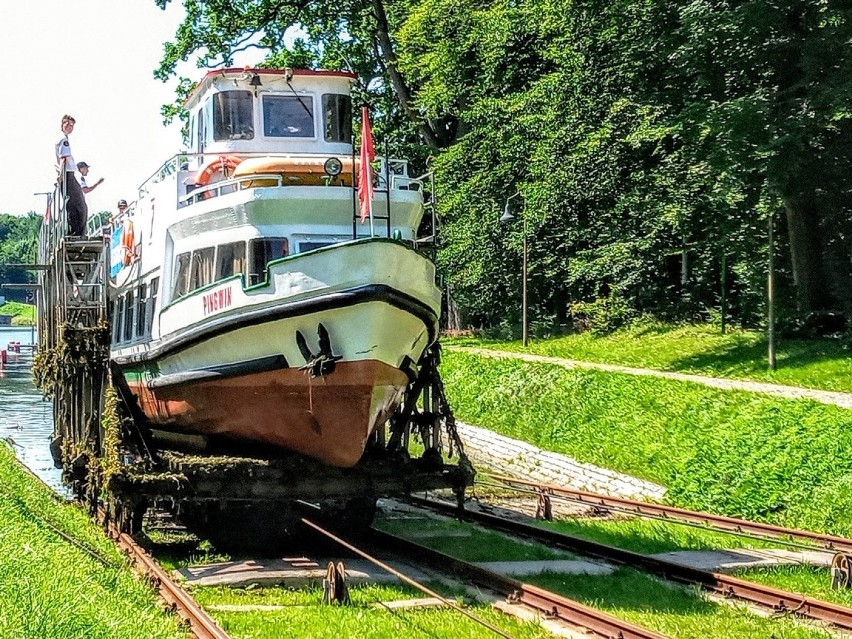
(127, 241)
(223, 163)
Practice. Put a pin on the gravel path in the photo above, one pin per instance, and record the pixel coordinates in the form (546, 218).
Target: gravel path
(844, 400)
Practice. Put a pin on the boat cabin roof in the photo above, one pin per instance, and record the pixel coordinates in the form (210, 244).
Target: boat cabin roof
(245, 76)
(271, 111)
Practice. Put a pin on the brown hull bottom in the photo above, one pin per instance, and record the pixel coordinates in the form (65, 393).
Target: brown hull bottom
(328, 418)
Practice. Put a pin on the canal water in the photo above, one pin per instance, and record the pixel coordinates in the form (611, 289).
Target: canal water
(26, 419)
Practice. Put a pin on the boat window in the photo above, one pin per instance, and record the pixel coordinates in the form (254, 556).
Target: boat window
(264, 251)
(201, 271)
(181, 278)
(337, 117)
(288, 116)
(116, 319)
(304, 247)
(232, 116)
(230, 260)
(152, 303)
(127, 334)
(142, 311)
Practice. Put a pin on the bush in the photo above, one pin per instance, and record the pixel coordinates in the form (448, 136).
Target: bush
(604, 315)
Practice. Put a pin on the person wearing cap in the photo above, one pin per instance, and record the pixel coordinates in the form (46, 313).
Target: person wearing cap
(75, 205)
(83, 168)
(122, 209)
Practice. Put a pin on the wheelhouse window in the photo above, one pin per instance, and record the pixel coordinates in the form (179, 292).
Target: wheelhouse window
(181, 276)
(288, 116)
(233, 116)
(264, 251)
(201, 271)
(230, 260)
(337, 117)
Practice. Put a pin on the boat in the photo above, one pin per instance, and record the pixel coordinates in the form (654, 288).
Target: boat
(250, 301)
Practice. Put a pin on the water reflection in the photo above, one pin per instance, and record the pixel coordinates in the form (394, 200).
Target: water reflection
(26, 420)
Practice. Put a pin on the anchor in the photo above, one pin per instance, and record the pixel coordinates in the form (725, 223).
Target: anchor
(324, 362)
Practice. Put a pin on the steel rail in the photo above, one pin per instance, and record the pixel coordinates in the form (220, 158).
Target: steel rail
(200, 623)
(404, 578)
(648, 510)
(549, 604)
(779, 601)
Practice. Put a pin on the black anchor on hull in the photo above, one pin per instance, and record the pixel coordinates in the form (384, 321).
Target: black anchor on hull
(324, 362)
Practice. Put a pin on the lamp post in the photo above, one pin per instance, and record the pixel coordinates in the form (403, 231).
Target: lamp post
(508, 217)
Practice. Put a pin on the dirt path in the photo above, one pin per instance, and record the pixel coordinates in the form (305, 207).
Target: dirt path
(844, 400)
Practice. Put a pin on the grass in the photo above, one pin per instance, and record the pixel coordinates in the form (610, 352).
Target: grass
(811, 580)
(301, 614)
(468, 541)
(819, 363)
(730, 452)
(650, 537)
(677, 612)
(23, 314)
(50, 588)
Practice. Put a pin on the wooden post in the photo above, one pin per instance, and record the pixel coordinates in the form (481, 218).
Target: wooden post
(724, 295)
(770, 298)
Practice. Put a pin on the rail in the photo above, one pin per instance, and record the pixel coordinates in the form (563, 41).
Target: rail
(549, 604)
(778, 601)
(733, 525)
(200, 623)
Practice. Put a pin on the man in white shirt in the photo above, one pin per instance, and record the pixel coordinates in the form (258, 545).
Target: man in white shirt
(75, 205)
(83, 168)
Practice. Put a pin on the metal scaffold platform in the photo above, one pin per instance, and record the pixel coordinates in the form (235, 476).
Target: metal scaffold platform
(72, 363)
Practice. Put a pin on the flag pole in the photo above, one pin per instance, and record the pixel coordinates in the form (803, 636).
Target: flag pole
(388, 181)
(354, 188)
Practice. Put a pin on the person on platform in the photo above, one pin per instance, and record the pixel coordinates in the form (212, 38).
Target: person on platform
(83, 168)
(75, 203)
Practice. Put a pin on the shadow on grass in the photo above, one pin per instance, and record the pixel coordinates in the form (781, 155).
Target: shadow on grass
(628, 589)
(750, 358)
(639, 536)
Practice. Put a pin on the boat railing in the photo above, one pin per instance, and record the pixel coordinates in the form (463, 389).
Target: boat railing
(389, 170)
(229, 185)
(390, 175)
(54, 226)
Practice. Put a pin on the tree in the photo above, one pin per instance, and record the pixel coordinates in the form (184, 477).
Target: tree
(18, 245)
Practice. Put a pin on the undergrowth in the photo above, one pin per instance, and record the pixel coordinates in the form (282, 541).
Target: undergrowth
(700, 349)
(730, 452)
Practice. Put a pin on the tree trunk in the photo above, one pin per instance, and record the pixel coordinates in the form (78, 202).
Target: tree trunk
(400, 87)
(813, 292)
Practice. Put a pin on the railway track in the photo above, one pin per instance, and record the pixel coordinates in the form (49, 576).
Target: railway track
(549, 604)
(200, 623)
(732, 525)
(773, 599)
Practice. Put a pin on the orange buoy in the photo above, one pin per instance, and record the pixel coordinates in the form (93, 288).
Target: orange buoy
(127, 241)
(222, 163)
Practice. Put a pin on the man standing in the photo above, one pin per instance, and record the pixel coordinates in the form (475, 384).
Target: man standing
(75, 204)
(83, 168)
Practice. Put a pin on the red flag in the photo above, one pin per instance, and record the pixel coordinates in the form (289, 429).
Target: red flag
(365, 175)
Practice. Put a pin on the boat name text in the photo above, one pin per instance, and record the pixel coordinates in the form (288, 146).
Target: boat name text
(217, 300)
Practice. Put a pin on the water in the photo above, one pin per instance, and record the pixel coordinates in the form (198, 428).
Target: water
(26, 419)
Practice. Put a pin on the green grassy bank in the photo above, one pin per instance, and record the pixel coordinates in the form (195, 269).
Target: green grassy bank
(700, 349)
(732, 452)
(52, 589)
(22, 314)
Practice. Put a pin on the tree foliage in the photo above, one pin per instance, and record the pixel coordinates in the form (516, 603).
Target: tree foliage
(18, 245)
(648, 139)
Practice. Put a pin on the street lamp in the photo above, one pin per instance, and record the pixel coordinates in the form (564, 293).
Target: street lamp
(508, 217)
